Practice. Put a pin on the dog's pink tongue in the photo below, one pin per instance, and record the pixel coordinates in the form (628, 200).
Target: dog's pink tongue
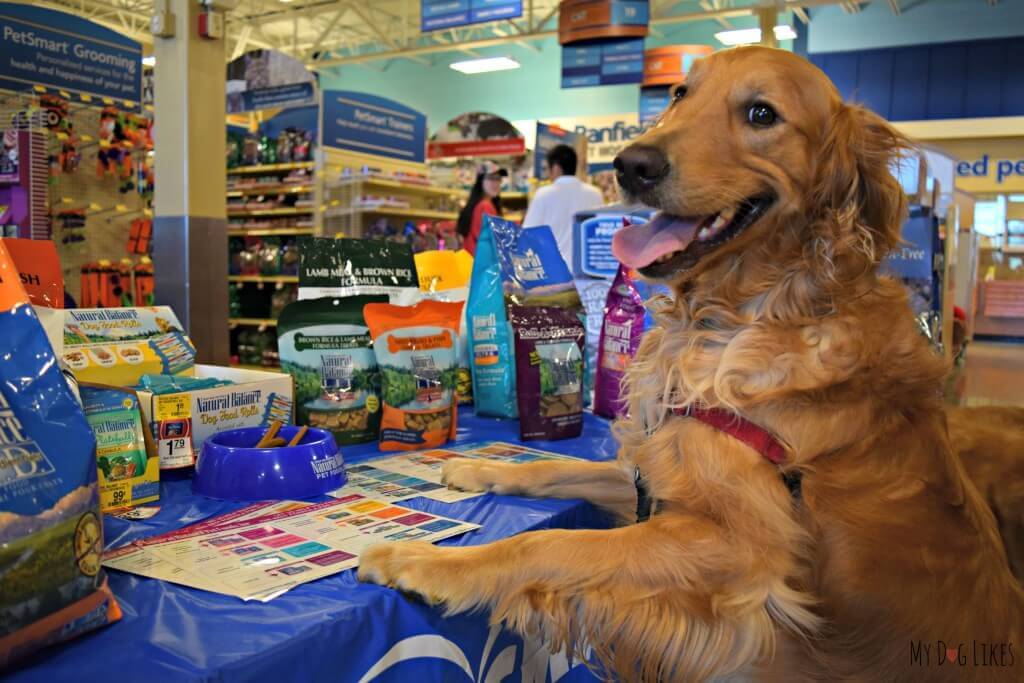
(639, 246)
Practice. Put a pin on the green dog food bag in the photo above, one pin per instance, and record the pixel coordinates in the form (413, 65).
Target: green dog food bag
(325, 346)
(351, 267)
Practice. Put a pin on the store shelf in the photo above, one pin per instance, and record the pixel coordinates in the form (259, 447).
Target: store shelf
(270, 168)
(255, 322)
(269, 232)
(411, 188)
(246, 213)
(395, 211)
(515, 195)
(269, 189)
(274, 279)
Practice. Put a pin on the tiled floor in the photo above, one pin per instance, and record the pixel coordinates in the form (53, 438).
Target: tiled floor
(994, 374)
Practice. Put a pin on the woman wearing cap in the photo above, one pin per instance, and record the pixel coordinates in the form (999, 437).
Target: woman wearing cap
(483, 199)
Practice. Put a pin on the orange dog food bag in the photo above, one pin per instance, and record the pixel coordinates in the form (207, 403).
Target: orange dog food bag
(416, 349)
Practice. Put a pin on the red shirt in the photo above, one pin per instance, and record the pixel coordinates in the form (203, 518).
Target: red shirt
(483, 206)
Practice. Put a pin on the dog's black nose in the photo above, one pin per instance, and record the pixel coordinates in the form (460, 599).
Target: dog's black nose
(640, 168)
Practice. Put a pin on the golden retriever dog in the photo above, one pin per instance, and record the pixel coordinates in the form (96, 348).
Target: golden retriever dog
(990, 444)
(777, 206)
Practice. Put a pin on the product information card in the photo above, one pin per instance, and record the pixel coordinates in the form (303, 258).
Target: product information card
(284, 545)
(418, 473)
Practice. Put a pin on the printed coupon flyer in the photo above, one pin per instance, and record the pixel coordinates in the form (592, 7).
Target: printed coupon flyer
(261, 557)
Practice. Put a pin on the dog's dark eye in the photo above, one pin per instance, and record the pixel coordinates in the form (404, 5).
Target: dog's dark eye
(761, 115)
(678, 93)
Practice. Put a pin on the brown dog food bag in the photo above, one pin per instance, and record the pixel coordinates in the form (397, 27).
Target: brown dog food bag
(549, 371)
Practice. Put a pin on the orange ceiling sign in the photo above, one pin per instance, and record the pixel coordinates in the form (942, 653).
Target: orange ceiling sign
(669, 65)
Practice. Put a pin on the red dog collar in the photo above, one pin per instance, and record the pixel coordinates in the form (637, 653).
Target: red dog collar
(758, 438)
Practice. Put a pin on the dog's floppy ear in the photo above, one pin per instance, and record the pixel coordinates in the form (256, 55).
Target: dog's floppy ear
(855, 196)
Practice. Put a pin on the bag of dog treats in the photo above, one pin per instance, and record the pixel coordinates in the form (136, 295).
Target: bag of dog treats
(444, 278)
(416, 353)
(512, 266)
(349, 267)
(52, 587)
(549, 372)
(621, 332)
(126, 456)
(325, 346)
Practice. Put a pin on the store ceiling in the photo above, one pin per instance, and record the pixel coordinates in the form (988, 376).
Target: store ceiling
(325, 33)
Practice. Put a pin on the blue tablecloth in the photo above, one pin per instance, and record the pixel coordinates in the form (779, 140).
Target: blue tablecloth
(334, 629)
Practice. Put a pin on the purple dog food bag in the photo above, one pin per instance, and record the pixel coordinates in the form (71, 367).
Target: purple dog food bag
(549, 371)
(621, 331)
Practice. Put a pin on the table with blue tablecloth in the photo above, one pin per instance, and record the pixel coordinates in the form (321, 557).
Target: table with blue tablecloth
(333, 629)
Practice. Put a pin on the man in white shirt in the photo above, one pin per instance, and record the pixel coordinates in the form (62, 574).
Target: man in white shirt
(557, 203)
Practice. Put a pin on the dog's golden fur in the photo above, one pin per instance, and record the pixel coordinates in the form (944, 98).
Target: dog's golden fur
(990, 443)
(789, 325)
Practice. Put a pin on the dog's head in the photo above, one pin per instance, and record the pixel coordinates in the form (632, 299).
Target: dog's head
(758, 148)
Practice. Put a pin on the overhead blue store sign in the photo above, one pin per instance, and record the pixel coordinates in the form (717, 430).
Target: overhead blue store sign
(293, 95)
(59, 51)
(373, 125)
(603, 62)
(653, 101)
(441, 14)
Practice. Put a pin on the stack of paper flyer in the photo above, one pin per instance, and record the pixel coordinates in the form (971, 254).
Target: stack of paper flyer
(264, 550)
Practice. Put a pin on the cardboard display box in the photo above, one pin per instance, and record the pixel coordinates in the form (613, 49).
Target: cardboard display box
(181, 422)
(117, 346)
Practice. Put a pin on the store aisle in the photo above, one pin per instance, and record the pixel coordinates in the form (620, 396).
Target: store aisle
(994, 374)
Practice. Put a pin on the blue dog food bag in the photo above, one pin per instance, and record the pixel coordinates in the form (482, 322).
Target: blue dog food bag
(52, 587)
(513, 265)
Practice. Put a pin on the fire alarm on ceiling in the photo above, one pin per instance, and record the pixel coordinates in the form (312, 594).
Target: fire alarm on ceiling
(211, 24)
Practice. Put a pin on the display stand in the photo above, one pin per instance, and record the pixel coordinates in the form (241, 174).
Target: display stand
(456, 150)
(78, 156)
(361, 190)
(272, 194)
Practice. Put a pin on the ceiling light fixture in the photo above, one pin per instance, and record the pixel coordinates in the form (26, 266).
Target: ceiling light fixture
(485, 65)
(748, 36)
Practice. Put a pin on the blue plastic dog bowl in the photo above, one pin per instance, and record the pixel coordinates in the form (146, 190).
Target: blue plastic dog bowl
(231, 468)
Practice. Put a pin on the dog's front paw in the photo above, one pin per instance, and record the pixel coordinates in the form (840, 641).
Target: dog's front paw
(409, 566)
(469, 475)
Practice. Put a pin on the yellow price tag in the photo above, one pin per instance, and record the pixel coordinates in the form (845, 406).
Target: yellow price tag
(173, 407)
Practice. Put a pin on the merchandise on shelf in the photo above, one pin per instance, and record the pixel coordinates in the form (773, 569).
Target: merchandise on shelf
(292, 145)
(257, 347)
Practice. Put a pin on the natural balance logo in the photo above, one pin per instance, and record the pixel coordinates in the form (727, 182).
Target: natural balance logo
(975, 653)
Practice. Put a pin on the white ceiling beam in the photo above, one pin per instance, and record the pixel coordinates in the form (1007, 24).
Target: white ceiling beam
(241, 43)
(384, 37)
(685, 17)
(709, 6)
(319, 40)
